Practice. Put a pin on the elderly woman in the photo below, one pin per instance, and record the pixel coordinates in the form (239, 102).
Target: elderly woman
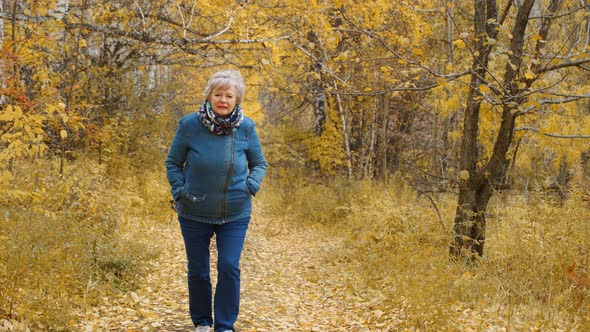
(215, 165)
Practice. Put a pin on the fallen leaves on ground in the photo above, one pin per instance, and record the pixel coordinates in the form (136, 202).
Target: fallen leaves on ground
(289, 283)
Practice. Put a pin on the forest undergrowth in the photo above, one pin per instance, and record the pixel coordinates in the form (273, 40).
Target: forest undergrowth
(533, 276)
(89, 250)
(69, 240)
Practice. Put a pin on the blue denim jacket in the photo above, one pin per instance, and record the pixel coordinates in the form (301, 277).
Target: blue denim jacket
(213, 178)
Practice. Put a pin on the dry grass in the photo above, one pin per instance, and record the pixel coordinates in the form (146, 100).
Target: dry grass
(69, 241)
(396, 249)
(89, 234)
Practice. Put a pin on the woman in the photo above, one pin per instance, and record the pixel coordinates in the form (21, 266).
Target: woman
(215, 165)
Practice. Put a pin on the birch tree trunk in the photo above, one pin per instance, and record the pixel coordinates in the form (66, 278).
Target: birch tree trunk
(345, 134)
(61, 9)
(318, 99)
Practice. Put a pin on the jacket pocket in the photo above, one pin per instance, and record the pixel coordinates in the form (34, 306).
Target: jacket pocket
(194, 198)
(194, 203)
(191, 197)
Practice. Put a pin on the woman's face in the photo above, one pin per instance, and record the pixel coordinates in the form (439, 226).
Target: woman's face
(223, 101)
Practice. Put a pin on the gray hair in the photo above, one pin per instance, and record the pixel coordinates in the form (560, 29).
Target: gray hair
(225, 79)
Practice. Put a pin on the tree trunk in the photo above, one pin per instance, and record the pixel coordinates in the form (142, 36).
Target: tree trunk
(61, 9)
(318, 99)
(2, 84)
(382, 152)
(345, 135)
(477, 185)
(587, 38)
(450, 32)
(469, 228)
(369, 160)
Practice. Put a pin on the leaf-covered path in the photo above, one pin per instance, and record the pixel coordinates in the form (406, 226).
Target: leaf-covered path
(292, 280)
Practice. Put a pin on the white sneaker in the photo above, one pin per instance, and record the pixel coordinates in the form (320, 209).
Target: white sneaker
(203, 328)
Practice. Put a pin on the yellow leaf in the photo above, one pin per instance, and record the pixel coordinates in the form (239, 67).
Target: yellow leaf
(417, 52)
(402, 61)
(529, 75)
(459, 43)
(6, 176)
(42, 11)
(6, 116)
(464, 175)
(63, 134)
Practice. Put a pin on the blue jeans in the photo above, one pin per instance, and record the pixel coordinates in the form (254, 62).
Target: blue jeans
(230, 241)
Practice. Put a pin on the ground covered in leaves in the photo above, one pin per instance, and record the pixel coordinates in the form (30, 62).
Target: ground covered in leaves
(389, 274)
(290, 282)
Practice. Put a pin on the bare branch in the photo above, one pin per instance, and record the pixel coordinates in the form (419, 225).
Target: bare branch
(566, 99)
(577, 63)
(536, 130)
(192, 14)
(311, 56)
(526, 92)
(473, 54)
(221, 32)
(146, 37)
(449, 77)
(553, 16)
(141, 12)
(505, 12)
(440, 219)
(426, 173)
(183, 22)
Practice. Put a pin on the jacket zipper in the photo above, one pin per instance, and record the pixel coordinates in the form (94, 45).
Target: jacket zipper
(227, 180)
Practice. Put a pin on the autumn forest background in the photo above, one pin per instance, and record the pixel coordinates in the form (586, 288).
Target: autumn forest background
(429, 161)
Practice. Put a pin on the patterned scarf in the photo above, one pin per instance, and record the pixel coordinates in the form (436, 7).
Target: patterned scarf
(218, 125)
